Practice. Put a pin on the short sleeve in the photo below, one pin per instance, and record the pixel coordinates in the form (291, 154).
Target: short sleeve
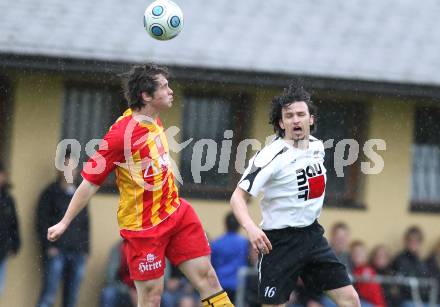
(103, 162)
(255, 177)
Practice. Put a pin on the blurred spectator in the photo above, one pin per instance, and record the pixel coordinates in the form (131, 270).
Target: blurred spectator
(187, 301)
(370, 292)
(251, 287)
(303, 296)
(178, 289)
(9, 232)
(172, 292)
(65, 259)
(433, 265)
(229, 254)
(119, 290)
(408, 263)
(339, 241)
(380, 259)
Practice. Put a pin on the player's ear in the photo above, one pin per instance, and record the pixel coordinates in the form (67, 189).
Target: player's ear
(312, 120)
(281, 124)
(146, 97)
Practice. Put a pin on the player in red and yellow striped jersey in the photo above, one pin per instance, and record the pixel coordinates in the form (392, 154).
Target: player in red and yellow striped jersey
(154, 222)
(140, 156)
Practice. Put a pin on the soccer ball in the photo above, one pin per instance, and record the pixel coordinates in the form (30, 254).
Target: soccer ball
(163, 19)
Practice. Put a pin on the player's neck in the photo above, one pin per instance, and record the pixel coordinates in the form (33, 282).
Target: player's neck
(146, 114)
(299, 144)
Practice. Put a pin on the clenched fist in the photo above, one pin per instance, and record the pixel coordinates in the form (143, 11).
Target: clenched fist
(55, 232)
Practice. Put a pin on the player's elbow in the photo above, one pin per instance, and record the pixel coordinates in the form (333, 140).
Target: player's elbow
(87, 189)
(234, 198)
(239, 197)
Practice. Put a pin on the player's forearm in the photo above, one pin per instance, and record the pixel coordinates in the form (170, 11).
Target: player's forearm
(79, 200)
(239, 206)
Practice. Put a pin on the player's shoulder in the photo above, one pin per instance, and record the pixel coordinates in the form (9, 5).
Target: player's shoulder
(316, 143)
(116, 133)
(119, 127)
(270, 152)
(123, 120)
(314, 140)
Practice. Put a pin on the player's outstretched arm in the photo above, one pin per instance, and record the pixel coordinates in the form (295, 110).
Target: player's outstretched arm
(79, 200)
(258, 239)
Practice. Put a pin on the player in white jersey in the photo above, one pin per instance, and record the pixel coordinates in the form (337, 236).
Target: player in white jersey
(291, 175)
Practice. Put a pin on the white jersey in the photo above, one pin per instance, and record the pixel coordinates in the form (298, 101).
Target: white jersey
(292, 182)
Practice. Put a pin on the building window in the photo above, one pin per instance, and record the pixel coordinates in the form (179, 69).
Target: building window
(216, 123)
(425, 183)
(5, 119)
(88, 113)
(341, 121)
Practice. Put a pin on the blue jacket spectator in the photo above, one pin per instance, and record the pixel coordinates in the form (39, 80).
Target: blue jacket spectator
(229, 254)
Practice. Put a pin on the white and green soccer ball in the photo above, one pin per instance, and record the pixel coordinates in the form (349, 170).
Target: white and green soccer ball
(163, 19)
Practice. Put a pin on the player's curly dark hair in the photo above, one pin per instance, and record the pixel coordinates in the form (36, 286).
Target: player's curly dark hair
(294, 93)
(141, 78)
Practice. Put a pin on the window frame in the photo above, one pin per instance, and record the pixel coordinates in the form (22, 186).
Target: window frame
(422, 206)
(241, 104)
(351, 198)
(6, 109)
(109, 185)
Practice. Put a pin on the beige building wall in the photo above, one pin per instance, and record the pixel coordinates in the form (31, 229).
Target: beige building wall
(35, 133)
(387, 195)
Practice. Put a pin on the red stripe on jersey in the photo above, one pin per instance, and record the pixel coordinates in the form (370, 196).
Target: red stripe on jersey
(146, 213)
(165, 190)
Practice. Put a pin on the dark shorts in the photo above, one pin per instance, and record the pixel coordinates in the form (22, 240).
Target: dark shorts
(298, 252)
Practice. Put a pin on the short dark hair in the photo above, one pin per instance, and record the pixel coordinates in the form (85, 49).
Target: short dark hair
(414, 231)
(231, 223)
(357, 243)
(339, 225)
(294, 93)
(141, 78)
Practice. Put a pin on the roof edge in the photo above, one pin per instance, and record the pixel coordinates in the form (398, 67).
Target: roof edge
(202, 74)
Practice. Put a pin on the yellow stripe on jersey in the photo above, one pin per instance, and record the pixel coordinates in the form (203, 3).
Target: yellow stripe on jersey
(157, 179)
(131, 187)
(169, 208)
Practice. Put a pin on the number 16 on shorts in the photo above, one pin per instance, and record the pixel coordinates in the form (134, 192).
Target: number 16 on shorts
(270, 291)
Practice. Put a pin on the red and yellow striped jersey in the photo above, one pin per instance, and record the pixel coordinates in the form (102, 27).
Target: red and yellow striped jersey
(139, 152)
